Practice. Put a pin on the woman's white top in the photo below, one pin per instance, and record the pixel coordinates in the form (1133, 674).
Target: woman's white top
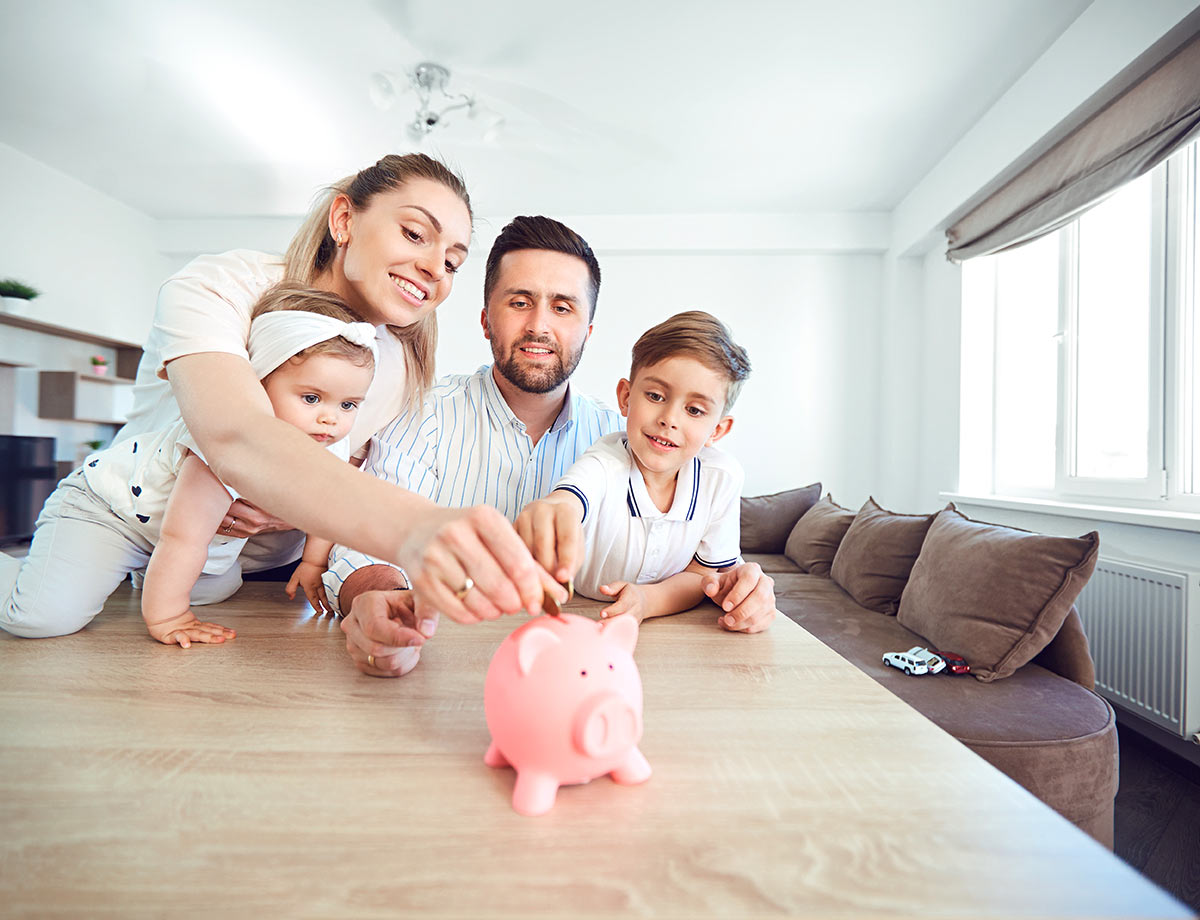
(205, 307)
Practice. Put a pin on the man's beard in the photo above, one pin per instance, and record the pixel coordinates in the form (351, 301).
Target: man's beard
(535, 379)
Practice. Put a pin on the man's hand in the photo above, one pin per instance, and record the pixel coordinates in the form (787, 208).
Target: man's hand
(746, 594)
(383, 634)
(308, 576)
(245, 520)
(630, 599)
(554, 534)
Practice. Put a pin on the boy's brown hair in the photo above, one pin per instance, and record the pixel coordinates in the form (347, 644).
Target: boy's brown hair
(699, 335)
(290, 295)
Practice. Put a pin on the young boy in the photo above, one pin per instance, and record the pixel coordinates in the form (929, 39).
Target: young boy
(654, 510)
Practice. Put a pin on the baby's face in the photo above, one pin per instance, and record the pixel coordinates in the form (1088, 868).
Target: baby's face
(672, 410)
(319, 394)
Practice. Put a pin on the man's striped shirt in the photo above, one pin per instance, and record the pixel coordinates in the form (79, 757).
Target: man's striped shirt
(465, 447)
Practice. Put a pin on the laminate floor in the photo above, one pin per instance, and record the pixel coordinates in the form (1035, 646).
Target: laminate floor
(1157, 816)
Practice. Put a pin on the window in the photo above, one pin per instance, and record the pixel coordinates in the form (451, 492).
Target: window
(1081, 354)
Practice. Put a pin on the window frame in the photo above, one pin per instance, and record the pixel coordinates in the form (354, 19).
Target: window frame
(1173, 365)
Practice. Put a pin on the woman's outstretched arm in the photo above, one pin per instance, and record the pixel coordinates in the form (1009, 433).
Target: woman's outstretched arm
(284, 472)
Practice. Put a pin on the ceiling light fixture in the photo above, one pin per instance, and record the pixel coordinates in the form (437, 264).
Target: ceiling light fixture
(435, 101)
(429, 81)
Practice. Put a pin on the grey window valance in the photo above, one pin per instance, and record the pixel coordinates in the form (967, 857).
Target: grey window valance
(1136, 122)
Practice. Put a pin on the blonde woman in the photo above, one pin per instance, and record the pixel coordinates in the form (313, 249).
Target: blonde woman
(388, 241)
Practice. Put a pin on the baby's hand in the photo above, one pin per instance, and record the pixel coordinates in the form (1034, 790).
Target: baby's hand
(630, 599)
(185, 629)
(308, 576)
(554, 535)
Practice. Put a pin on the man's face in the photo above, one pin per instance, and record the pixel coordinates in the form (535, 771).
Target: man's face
(537, 318)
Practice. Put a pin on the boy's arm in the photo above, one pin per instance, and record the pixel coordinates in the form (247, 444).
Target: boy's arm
(671, 595)
(313, 563)
(552, 528)
(195, 507)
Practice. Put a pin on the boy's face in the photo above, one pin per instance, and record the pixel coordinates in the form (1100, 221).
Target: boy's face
(672, 410)
(319, 394)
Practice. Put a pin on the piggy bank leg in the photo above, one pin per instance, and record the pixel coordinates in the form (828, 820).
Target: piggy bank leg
(493, 757)
(635, 769)
(534, 793)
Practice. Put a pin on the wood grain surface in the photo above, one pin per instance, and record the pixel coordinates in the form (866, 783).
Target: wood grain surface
(269, 778)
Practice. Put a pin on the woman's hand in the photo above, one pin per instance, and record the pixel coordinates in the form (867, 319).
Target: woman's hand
(308, 577)
(472, 566)
(184, 629)
(246, 520)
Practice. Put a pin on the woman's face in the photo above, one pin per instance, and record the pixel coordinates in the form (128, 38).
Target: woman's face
(401, 252)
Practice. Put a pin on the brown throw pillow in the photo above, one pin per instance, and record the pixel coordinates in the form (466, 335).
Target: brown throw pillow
(814, 540)
(995, 595)
(768, 519)
(873, 563)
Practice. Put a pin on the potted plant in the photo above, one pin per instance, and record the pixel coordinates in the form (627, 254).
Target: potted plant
(99, 365)
(15, 296)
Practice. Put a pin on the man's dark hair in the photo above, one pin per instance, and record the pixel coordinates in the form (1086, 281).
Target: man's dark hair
(541, 233)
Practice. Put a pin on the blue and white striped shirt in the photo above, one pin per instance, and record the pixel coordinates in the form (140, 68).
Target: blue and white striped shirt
(465, 447)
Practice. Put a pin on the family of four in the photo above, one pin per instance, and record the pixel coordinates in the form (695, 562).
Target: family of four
(487, 492)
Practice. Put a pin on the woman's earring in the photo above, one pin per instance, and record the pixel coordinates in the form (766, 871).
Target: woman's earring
(340, 241)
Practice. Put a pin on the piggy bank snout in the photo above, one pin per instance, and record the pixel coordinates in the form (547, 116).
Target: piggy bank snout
(606, 724)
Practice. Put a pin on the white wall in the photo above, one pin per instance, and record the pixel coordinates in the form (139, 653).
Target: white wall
(94, 259)
(98, 268)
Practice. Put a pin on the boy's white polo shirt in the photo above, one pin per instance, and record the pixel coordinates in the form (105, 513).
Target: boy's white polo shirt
(626, 537)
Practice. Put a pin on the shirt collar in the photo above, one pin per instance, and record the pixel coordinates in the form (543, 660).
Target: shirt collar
(500, 413)
(687, 488)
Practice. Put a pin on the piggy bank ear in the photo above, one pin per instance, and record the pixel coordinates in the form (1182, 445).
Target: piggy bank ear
(532, 642)
(622, 630)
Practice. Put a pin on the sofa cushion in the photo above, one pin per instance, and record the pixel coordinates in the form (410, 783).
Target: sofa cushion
(875, 558)
(995, 595)
(814, 540)
(768, 519)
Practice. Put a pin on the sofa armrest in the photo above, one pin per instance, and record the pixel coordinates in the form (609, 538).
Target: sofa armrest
(1068, 653)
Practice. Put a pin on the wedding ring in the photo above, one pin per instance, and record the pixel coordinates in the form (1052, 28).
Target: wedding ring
(229, 526)
(370, 661)
(462, 592)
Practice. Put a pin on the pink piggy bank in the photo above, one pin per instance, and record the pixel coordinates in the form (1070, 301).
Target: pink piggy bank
(564, 705)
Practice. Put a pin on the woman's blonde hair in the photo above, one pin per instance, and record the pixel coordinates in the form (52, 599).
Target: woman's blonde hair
(312, 249)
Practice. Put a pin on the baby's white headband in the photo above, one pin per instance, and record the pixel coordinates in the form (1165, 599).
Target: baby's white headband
(280, 334)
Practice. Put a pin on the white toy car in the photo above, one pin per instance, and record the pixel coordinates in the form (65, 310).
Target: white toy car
(905, 662)
(934, 662)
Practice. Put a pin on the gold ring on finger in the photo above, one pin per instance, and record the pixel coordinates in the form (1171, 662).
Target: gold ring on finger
(462, 592)
(370, 661)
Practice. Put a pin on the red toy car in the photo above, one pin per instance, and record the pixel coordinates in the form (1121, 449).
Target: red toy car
(955, 664)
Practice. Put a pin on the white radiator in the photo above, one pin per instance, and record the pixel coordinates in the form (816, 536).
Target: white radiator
(1145, 638)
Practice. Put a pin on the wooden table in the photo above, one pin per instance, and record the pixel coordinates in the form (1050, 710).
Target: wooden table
(269, 778)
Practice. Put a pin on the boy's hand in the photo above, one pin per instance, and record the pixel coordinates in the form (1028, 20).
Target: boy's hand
(308, 576)
(746, 594)
(185, 629)
(554, 535)
(630, 599)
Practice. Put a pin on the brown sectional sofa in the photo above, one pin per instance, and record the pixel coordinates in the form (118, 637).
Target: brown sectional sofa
(1042, 725)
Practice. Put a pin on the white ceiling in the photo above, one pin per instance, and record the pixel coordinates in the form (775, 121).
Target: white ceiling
(239, 108)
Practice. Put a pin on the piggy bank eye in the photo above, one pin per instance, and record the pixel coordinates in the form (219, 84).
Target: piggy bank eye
(610, 667)
(583, 673)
